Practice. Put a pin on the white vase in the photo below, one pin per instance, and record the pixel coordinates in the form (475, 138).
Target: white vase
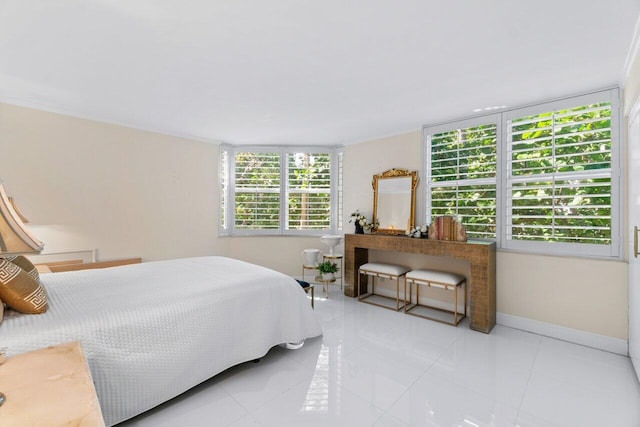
(327, 276)
(311, 257)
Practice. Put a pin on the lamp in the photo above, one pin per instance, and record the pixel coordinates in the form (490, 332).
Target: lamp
(15, 208)
(14, 236)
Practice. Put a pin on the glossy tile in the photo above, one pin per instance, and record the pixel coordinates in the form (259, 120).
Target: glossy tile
(246, 421)
(318, 404)
(437, 401)
(584, 366)
(419, 340)
(558, 402)
(378, 375)
(499, 382)
(389, 421)
(255, 384)
(206, 404)
(377, 367)
(504, 346)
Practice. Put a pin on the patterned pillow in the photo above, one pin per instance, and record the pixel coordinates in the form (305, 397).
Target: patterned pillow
(1, 310)
(20, 291)
(24, 263)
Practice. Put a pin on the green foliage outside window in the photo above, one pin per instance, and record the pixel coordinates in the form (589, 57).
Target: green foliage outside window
(258, 190)
(558, 186)
(257, 195)
(568, 153)
(463, 172)
(309, 183)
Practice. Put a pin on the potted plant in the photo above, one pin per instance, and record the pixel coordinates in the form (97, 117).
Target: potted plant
(326, 269)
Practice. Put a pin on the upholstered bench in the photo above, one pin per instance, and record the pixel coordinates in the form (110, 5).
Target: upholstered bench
(437, 279)
(386, 271)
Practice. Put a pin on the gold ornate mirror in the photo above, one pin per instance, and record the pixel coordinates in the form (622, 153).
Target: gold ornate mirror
(394, 200)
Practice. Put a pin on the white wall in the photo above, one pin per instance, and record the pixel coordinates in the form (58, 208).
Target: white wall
(632, 84)
(362, 161)
(85, 185)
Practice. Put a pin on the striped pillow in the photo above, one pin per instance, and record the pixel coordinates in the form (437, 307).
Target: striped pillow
(20, 291)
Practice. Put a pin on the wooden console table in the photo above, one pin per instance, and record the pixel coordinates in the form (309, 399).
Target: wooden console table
(481, 256)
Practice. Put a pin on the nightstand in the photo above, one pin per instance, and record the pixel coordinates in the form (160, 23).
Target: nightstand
(51, 386)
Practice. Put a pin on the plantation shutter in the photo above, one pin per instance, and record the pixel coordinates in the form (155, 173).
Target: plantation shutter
(559, 183)
(462, 166)
(257, 190)
(309, 191)
(543, 178)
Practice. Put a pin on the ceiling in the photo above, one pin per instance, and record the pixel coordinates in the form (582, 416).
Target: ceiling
(299, 72)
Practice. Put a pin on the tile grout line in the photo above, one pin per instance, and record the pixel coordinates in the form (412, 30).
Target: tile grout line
(526, 386)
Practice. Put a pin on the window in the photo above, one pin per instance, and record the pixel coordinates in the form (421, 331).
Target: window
(309, 191)
(279, 190)
(543, 178)
(463, 170)
(257, 190)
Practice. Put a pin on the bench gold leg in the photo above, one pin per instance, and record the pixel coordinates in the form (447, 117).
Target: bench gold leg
(455, 305)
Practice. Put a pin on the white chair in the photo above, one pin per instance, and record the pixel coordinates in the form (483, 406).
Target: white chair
(386, 271)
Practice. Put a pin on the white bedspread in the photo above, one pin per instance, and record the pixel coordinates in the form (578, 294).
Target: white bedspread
(151, 331)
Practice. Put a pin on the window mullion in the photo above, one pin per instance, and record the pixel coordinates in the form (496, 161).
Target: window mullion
(284, 190)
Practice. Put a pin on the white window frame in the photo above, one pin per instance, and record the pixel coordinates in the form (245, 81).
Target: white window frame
(227, 192)
(502, 174)
(492, 119)
(559, 248)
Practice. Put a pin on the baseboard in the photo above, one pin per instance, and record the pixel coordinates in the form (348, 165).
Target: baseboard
(602, 342)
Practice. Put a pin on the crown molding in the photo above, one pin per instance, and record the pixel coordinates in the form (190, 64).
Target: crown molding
(129, 125)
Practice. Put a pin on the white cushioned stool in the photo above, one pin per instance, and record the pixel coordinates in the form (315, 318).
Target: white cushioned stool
(436, 279)
(386, 271)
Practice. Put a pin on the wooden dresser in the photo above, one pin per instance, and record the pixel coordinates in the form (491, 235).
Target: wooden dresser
(50, 387)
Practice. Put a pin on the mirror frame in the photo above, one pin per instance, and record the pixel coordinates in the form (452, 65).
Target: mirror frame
(392, 174)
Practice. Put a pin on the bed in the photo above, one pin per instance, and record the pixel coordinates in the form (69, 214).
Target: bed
(151, 331)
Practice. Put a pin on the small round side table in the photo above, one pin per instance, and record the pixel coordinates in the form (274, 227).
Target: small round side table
(325, 284)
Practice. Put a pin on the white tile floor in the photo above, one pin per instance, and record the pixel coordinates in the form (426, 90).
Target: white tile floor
(376, 367)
